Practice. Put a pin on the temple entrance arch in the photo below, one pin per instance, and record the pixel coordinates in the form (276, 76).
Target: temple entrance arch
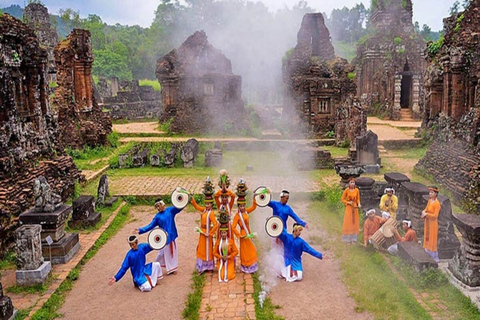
(406, 87)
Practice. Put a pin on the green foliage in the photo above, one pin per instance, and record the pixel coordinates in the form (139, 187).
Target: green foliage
(348, 24)
(152, 83)
(52, 84)
(404, 4)
(34, 289)
(434, 47)
(165, 126)
(267, 311)
(344, 144)
(113, 139)
(194, 299)
(331, 134)
(459, 20)
(373, 5)
(8, 260)
(351, 75)
(255, 125)
(346, 50)
(287, 56)
(109, 63)
(397, 41)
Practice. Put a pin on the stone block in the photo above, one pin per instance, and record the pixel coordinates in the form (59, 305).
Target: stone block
(123, 160)
(465, 264)
(372, 168)
(367, 149)
(155, 160)
(395, 179)
(32, 277)
(29, 247)
(213, 157)
(48, 220)
(63, 250)
(91, 221)
(110, 201)
(102, 191)
(83, 207)
(416, 256)
(7, 312)
(55, 234)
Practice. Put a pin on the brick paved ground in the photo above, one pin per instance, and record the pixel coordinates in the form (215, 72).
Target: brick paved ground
(232, 300)
(155, 186)
(59, 273)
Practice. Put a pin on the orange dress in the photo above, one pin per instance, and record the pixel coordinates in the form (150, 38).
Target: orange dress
(229, 209)
(351, 220)
(248, 252)
(209, 229)
(410, 236)
(226, 269)
(370, 227)
(430, 231)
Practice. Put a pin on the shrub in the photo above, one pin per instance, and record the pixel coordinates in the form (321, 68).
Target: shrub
(351, 75)
(397, 41)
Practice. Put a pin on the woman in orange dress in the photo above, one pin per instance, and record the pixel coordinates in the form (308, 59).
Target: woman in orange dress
(208, 227)
(225, 251)
(248, 252)
(430, 231)
(351, 220)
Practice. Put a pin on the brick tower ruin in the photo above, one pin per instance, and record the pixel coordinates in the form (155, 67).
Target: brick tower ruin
(390, 62)
(36, 17)
(452, 110)
(81, 120)
(28, 132)
(199, 91)
(319, 93)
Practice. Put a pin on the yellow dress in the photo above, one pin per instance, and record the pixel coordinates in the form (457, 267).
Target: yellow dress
(392, 207)
(351, 220)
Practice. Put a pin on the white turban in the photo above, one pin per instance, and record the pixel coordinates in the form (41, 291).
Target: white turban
(389, 189)
(370, 211)
(408, 222)
(284, 193)
(132, 238)
(160, 202)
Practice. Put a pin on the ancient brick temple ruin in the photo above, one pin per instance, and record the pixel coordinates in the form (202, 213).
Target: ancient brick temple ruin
(199, 91)
(390, 62)
(81, 120)
(129, 100)
(36, 17)
(28, 131)
(452, 117)
(319, 93)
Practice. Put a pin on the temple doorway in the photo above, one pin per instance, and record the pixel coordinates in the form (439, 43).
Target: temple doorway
(406, 87)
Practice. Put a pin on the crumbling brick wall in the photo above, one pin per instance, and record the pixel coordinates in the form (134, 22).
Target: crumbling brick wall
(199, 91)
(81, 120)
(452, 117)
(28, 132)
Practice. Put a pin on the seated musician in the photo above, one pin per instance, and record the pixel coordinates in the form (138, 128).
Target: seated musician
(389, 203)
(410, 236)
(371, 225)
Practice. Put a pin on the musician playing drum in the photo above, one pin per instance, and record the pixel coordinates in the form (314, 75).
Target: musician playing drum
(410, 236)
(145, 276)
(389, 203)
(165, 219)
(371, 225)
(294, 247)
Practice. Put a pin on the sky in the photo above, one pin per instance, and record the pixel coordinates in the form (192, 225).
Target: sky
(141, 12)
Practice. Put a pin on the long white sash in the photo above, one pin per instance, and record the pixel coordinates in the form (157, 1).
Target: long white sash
(222, 263)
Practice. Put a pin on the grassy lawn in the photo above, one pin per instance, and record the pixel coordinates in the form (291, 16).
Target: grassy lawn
(370, 280)
(148, 82)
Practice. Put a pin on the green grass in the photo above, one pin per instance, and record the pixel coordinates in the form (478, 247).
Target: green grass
(194, 299)
(8, 260)
(409, 153)
(148, 82)
(106, 213)
(336, 151)
(268, 310)
(366, 274)
(22, 314)
(34, 289)
(56, 300)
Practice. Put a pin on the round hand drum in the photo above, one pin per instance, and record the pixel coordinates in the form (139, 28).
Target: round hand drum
(157, 239)
(274, 226)
(179, 198)
(262, 197)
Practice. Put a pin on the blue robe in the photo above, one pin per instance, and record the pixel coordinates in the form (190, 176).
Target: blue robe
(293, 249)
(166, 221)
(135, 260)
(284, 211)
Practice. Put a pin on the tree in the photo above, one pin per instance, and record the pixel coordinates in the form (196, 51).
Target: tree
(455, 8)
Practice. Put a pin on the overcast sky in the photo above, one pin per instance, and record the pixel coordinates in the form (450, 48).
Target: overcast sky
(141, 12)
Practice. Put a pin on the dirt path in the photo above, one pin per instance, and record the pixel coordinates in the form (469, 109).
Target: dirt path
(137, 127)
(321, 294)
(92, 298)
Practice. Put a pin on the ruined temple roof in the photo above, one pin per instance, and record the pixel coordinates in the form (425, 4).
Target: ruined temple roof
(196, 56)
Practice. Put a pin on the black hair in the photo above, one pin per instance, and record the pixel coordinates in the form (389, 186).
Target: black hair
(158, 200)
(132, 238)
(296, 224)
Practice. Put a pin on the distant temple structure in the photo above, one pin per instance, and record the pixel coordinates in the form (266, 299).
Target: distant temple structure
(199, 91)
(390, 62)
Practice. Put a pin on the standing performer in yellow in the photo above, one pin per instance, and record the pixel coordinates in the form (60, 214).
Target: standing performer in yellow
(248, 252)
(351, 221)
(225, 250)
(389, 204)
(430, 231)
(208, 227)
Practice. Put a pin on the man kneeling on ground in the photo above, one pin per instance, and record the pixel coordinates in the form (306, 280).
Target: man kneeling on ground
(145, 277)
(410, 236)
